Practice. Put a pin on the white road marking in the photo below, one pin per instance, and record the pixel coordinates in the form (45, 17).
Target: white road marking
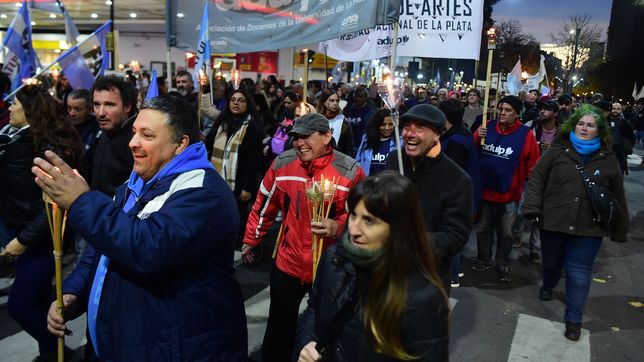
(537, 339)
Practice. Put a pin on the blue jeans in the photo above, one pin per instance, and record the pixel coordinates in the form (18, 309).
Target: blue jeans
(577, 254)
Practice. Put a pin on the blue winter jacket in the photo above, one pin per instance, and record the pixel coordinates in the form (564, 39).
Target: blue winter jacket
(169, 293)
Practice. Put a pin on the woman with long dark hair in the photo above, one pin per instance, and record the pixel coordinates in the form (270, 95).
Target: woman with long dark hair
(376, 143)
(556, 198)
(235, 145)
(36, 124)
(329, 106)
(377, 295)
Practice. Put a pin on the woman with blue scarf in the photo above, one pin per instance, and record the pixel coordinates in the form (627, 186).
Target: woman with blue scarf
(557, 200)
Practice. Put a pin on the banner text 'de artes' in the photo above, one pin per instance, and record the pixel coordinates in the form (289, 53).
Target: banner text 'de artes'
(248, 26)
(427, 28)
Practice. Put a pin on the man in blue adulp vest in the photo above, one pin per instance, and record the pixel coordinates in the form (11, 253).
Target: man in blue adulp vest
(157, 276)
(507, 155)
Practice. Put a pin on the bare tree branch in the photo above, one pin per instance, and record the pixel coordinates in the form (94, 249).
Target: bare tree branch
(589, 34)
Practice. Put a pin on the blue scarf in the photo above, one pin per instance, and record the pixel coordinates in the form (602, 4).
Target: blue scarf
(192, 158)
(585, 147)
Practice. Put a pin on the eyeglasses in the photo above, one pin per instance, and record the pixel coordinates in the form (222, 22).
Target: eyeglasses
(433, 99)
(237, 100)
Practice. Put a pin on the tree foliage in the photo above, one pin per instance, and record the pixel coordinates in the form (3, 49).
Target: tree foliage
(512, 43)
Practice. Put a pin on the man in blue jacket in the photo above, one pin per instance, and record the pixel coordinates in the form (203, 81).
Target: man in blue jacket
(157, 278)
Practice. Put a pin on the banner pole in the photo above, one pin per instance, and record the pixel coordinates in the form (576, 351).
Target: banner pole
(491, 45)
(168, 65)
(394, 48)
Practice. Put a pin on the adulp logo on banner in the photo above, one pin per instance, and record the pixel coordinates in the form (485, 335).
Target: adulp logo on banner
(427, 28)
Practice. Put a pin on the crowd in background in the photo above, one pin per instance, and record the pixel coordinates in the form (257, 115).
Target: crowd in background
(247, 127)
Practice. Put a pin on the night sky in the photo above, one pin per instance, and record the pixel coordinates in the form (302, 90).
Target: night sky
(541, 17)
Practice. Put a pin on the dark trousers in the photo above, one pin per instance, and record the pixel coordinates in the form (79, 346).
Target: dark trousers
(286, 295)
(577, 254)
(31, 296)
(496, 219)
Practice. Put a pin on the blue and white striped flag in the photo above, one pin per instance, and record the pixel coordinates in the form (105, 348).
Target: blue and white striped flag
(19, 55)
(71, 31)
(153, 88)
(57, 7)
(203, 47)
(85, 62)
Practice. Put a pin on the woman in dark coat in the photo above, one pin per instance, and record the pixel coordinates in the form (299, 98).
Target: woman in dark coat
(329, 106)
(377, 295)
(37, 125)
(235, 147)
(556, 198)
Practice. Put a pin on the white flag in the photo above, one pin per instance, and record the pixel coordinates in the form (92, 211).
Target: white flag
(635, 91)
(514, 84)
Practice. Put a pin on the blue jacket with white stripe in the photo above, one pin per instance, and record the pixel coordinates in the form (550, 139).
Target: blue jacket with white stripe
(169, 293)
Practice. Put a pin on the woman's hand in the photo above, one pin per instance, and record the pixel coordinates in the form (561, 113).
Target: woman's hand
(13, 250)
(325, 228)
(244, 196)
(309, 353)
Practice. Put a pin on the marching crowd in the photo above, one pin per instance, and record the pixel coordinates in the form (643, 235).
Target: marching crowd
(160, 192)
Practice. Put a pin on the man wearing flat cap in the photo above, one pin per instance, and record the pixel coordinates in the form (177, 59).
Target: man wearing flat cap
(508, 153)
(284, 189)
(444, 189)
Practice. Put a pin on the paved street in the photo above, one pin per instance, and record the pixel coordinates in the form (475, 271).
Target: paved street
(490, 321)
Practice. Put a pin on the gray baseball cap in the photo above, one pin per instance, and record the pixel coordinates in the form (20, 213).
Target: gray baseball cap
(309, 124)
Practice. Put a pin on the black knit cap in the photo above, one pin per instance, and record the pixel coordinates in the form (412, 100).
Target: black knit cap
(513, 101)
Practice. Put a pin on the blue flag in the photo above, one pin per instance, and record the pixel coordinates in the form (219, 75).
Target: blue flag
(57, 7)
(20, 58)
(203, 47)
(85, 62)
(153, 89)
(437, 80)
(71, 31)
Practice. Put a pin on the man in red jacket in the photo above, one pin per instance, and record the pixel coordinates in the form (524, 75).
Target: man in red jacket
(284, 189)
(507, 155)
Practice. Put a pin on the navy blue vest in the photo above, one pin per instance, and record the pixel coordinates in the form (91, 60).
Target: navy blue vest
(500, 156)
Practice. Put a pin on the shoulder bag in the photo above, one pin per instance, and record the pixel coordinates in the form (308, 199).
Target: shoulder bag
(605, 206)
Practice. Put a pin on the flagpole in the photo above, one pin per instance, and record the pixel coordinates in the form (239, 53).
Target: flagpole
(168, 71)
(52, 63)
(394, 111)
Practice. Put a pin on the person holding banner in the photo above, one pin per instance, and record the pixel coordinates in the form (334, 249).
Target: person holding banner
(507, 155)
(157, 276)
(36, 125)
(284, 189)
